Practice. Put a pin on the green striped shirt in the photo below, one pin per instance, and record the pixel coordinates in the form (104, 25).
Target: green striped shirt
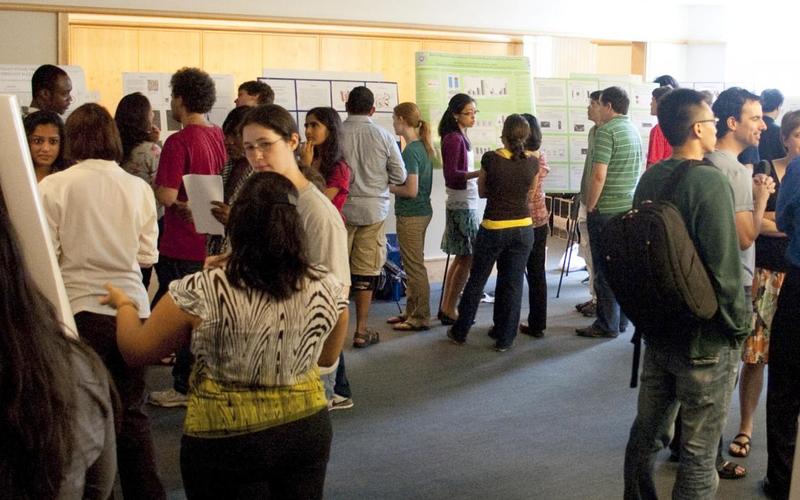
(617, 144)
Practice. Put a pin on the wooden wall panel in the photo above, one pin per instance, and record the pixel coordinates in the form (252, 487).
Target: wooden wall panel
(491, 49)
(234, 53)
(445, 46)
(395, 60)
(104, 54)
(168, 50)
(340, 53)
(290, 52)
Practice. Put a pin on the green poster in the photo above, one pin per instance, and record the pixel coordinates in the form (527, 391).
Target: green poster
(500, 86)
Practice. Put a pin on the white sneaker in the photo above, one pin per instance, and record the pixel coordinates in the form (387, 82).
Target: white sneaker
(168, 399)
(340, 403)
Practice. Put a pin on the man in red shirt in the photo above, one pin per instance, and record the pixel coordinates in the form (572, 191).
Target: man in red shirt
(658, 149)
(198, 148)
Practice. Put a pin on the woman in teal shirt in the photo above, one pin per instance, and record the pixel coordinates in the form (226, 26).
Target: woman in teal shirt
(413, 211)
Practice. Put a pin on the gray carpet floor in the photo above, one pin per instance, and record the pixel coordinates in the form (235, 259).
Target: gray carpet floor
(547, 419)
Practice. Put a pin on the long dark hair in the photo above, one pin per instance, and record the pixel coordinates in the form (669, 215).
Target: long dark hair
(268, 244)
(36, 381)
(448, 123)
(515, 133)
(330, 151)
(133, 121)
(534, 141)
(43, 117)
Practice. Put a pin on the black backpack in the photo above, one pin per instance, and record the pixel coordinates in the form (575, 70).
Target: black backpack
(653, 267)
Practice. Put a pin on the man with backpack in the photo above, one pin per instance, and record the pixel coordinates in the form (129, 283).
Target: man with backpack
(690, 362)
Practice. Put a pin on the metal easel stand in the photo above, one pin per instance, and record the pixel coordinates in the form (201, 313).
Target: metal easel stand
(572, 235)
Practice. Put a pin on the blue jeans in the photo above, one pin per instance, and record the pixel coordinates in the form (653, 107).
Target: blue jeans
(703, 393)
(509, 248)
(610, 317)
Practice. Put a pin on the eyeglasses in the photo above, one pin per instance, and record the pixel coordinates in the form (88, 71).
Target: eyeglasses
(710, 120)
(262, 146)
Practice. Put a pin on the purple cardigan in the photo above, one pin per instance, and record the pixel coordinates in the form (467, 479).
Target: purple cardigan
(454, 160)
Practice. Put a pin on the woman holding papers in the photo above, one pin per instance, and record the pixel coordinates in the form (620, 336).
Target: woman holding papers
(103, 226)
(257, 413)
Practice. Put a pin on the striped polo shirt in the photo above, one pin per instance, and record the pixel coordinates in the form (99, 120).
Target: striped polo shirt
(618, 144)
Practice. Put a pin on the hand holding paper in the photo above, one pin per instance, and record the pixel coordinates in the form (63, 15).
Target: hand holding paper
(202, 190)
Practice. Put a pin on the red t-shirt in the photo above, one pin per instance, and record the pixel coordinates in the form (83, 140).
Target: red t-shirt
(194, 150)
(339, 178)
(659, 149)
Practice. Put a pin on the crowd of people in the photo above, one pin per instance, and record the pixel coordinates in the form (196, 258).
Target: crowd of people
(254, 320)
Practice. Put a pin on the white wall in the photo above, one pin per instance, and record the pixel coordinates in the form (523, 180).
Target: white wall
(618, 20)
(28, 37)
(666, 59)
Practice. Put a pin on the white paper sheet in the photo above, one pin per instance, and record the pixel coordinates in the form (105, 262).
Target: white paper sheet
(202, 190)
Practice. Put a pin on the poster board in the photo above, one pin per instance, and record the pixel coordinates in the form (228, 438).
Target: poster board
(499, 85)
(21, 194)
(155, 86)
(561, 107)
(300, 94)
(15, 79)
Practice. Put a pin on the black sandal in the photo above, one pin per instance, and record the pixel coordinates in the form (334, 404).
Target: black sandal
(743, 441)
(728, 470)
(367, 338)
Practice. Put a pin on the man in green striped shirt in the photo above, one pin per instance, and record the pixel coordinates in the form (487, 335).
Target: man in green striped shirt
(616, 164)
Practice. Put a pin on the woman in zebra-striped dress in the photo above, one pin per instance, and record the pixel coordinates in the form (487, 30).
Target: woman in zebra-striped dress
(258, 325)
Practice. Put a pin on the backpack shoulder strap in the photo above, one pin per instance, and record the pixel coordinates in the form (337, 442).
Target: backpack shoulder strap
(668, 191)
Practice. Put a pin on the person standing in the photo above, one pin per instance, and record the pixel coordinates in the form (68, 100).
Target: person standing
(588, 308)
(103, 225)
(783, 381)
(505, 236)
(414, 212)
(616, 164)
(690, 364)
(537, 279)
(461, 216)
(198, 148)
(771, 146)
(373, 155)
(657, 148)
(51, 88)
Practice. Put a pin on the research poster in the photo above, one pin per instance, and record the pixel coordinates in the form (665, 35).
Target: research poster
(499, 85)
(561, 107)
(301, 94)
(155, 86)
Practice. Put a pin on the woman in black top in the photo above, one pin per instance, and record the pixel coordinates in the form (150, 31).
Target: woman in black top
(505, 236)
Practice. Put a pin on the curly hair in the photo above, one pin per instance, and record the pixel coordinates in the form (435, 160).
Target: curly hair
(133, 121)
(268, 243)
(329, 152)
(195, 88)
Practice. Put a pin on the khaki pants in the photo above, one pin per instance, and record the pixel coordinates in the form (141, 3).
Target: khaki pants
(411, 236)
